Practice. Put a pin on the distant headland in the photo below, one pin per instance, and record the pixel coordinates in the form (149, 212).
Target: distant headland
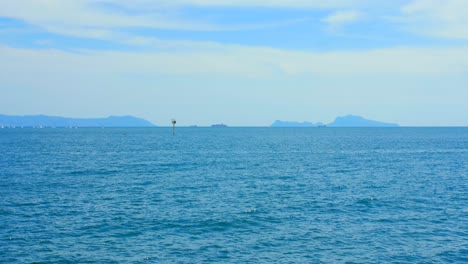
(57, 121)
(341, 121)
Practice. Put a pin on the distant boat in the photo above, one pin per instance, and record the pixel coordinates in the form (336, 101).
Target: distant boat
(219, 125)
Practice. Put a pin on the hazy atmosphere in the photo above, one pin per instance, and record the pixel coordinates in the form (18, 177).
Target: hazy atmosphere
(243, 63)
(233, 131)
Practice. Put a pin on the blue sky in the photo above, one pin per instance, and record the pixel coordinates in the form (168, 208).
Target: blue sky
(236, 61)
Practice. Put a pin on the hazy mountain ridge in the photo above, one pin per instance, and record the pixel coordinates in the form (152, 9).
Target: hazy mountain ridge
(358, 121)
(57, 121)
(341, 121)
(131, 121)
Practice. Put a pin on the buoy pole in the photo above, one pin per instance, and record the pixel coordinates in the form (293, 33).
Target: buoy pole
(173, 126)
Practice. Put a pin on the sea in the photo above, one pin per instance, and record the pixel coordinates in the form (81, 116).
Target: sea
(234, 195)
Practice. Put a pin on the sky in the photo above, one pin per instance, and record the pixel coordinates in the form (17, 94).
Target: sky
(238, 62)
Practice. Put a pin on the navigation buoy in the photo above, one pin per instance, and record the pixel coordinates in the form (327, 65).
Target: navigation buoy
(173, 126)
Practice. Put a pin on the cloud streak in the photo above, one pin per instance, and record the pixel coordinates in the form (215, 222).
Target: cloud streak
(313, 4)
(85, 18)
(341, 18)
(239, 61)
(114, 20)
(442, 19)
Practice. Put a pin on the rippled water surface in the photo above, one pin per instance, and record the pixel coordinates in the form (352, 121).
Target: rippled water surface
(234, 195)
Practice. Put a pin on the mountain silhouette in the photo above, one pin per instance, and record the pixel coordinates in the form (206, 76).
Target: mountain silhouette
(57, 121)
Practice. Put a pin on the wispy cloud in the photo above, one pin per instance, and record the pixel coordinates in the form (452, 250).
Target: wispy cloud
(341, 18)
(85, 18)
(226, 60)
(102, 19)
(444, 19)
(244, 3)
(116, 20)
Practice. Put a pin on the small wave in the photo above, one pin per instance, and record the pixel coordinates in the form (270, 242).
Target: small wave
(366, 201)
(249, 211)
(93, 172)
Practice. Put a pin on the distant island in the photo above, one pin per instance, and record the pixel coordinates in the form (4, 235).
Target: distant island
(341, 121)
(57, 121)
(358, 121)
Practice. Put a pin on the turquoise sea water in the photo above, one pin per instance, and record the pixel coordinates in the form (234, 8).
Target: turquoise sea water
(234, 195)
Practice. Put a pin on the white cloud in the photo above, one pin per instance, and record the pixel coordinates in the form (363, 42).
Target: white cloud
(85, 18)
(438, 18)
(342, 17)
(99, 19)
(103, 19)
(244, 3)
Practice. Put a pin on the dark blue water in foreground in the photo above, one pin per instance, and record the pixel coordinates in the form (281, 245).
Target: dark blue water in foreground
(234, 195)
